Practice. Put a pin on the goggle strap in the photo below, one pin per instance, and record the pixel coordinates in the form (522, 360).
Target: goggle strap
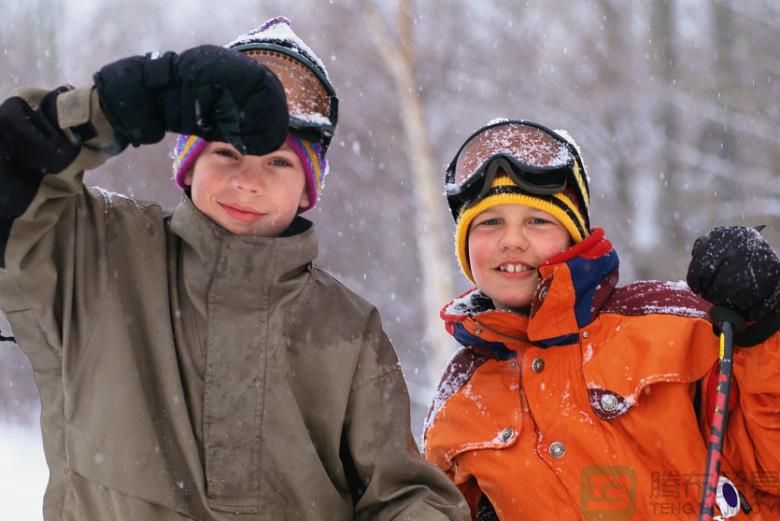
(579, 174)
(334, 108)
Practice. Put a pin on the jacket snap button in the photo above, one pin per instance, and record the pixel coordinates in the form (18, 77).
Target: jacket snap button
(609, 402)
(537, 366)
(585, 334)
(557, 450)
(506, 434)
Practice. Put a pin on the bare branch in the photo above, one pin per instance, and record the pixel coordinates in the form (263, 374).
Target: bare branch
(430, 232)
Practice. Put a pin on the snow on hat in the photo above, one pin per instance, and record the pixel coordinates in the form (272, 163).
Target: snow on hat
(311, 102)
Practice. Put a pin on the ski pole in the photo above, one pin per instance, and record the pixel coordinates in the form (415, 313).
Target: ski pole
(717, 428)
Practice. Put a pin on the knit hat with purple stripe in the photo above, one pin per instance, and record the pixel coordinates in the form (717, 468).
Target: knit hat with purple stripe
(185, 152)
(276, 31)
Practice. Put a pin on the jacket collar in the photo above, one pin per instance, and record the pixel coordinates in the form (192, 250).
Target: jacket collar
(574, 286)
(210, 250)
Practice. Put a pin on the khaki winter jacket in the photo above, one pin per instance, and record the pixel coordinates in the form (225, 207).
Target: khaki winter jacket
(188, 373)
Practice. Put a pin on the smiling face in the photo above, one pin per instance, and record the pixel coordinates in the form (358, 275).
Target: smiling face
(247, 194)
(506, 244)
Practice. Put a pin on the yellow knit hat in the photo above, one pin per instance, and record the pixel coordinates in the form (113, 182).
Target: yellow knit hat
(561, 205)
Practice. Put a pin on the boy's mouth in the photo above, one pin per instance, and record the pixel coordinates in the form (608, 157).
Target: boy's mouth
(511, 267)
(241, 213)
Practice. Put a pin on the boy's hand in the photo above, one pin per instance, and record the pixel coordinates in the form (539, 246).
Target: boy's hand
(736, 268)
(213, 92)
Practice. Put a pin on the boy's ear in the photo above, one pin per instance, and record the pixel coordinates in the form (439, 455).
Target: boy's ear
(304, 202)
(188, 177)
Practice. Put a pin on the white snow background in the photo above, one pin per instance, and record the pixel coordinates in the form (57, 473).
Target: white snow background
(23, 472)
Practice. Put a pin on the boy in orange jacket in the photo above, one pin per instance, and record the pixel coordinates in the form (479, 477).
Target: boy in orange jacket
(572, 398)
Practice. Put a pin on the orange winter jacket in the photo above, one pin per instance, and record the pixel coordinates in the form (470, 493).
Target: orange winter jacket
(597, 405)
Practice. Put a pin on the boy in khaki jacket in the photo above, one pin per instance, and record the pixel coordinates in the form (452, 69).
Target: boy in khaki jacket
(198, 365)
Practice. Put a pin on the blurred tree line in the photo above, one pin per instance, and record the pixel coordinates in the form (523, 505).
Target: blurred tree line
(673, 102)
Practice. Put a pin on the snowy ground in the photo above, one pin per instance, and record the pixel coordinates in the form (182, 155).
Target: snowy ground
(23, 472)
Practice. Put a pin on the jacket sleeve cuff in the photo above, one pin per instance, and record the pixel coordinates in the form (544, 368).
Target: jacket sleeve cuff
(82, 119)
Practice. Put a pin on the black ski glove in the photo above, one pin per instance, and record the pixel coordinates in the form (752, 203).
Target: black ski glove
(736, 268)
(31, 142)
(213, 92)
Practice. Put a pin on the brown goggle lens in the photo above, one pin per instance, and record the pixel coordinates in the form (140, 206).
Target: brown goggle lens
(528, 145)
(307, 98)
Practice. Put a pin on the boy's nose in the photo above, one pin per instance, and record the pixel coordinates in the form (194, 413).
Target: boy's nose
(514, 237)
(248, 180)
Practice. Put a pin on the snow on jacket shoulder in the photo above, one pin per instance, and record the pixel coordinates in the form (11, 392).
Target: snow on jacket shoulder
(188, 373)
(589, 407)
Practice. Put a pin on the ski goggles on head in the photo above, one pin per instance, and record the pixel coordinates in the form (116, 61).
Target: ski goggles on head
(537, 159)
(311, 98)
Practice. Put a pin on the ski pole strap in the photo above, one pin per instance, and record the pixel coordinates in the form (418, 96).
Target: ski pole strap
(758, 332)
(721, 314)
(745, 335)
(718, 424)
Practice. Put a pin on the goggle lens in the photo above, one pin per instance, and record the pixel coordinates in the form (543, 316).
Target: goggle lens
(312, 108)
(528, 146)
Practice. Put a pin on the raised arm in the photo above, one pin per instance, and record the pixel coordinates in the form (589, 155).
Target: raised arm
(52, 230)
(735, 268)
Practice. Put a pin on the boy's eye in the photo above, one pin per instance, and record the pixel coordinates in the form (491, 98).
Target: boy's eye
(539, 220)
(280, 161)
(493, 221)
(226, 152)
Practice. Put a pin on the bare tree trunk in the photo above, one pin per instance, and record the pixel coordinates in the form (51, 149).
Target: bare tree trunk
(613, 112)
(722, 137)
(431, 234)
(727, 71)
(670, 203)
(49, 58)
